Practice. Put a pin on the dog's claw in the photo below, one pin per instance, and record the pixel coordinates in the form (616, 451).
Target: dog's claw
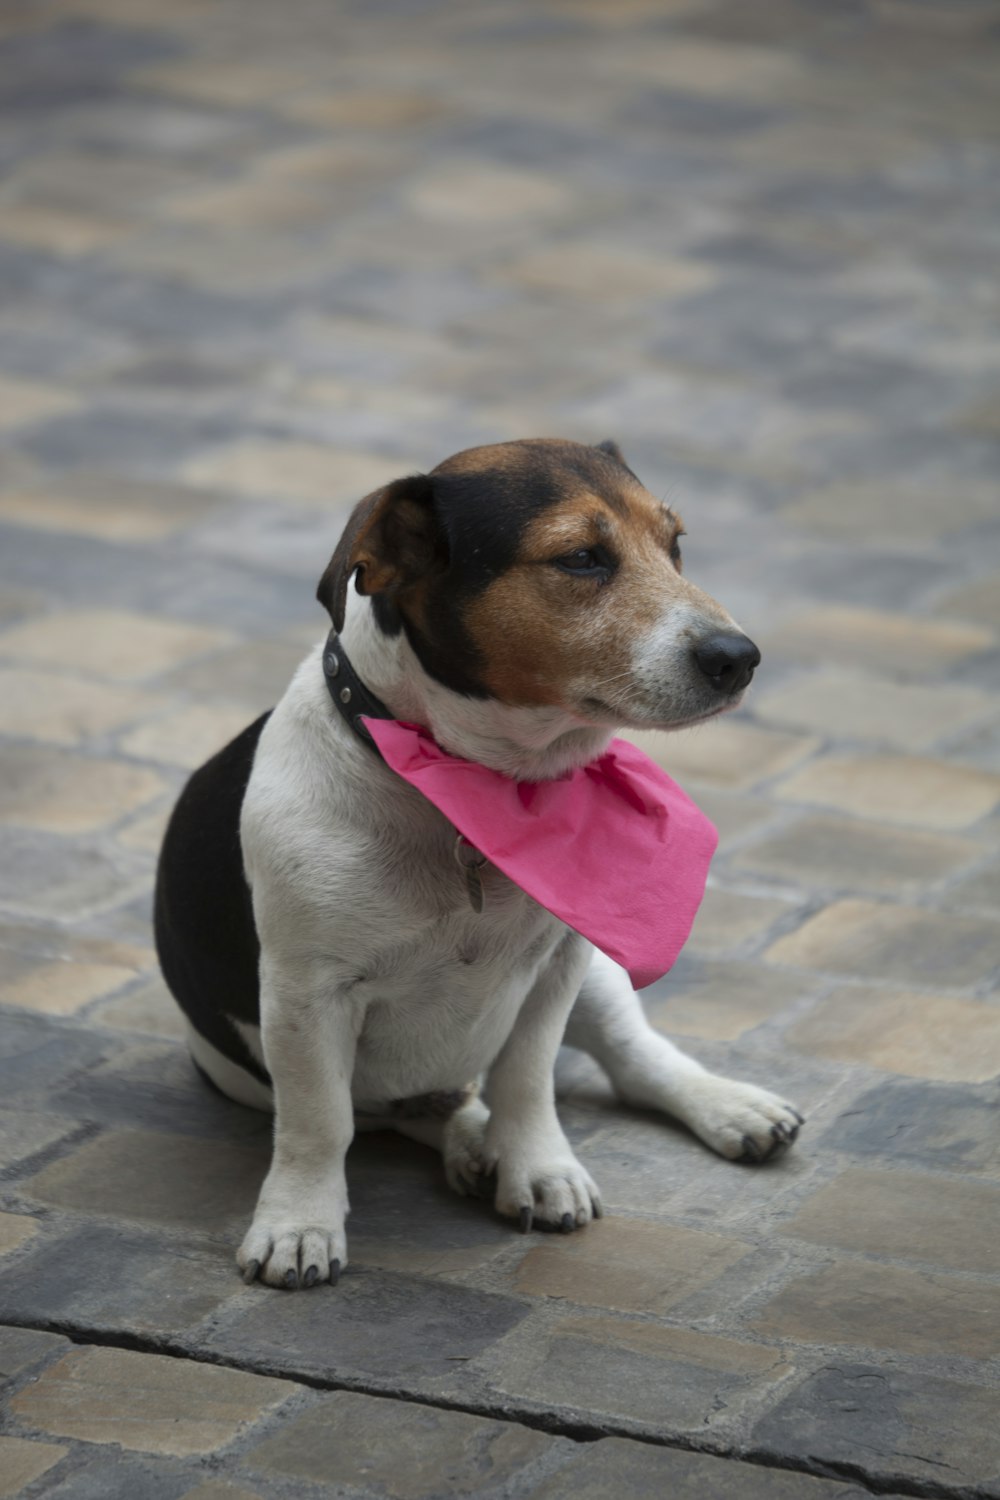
(250, 1272)
(751, 1151)
(801, 1118)
(524, 1220)
(596, 1208)
(566, 1224)
(334, 1272)
(311, 1276)
(291, 1279)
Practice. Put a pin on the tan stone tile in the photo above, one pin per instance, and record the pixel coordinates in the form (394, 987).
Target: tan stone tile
(109, 643)
(24, 947)
(880, 511)
(627, 1265)
(148, 1403)
(848, 705)
(978, 601)
(714, 68)
(254, 675)
(26, 401)
(905, 1215)
(921, 1036)
(728, 919)
(625, 13)
(15, 1230)
(908, 944)
(60, 989)
(102, 506)
(643, 1371)
(733, 813)
(160, 1179)
(262, 204)
(20, 1348)
(613, 272)
(305, 473)
(146, 833)
(187, 737)
(22, 1461)
(60, 231)
(721, 1001)
(65, 710)
(354, 1443)
(885, 1307)
(92, 182)
(414, 1262)
(488, 194)
(842, 854)
(220, 1489)
(62, 793)
(366, 110)
(217, 83)
(151, 1008)
(896, 789)
(876, 640)
(729, 753)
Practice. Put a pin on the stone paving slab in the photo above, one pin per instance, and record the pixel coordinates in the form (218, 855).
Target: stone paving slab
(252, 264)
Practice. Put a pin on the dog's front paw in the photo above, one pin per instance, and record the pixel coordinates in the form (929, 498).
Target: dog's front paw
(739, 1120)
(549, 1190)
(292, 1254)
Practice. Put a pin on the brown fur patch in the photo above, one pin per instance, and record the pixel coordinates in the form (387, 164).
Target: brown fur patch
(546, 636)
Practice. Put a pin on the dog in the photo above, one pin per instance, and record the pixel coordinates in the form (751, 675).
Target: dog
(520, 602)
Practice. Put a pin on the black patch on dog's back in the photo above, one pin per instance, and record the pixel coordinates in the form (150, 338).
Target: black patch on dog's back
(203, 915)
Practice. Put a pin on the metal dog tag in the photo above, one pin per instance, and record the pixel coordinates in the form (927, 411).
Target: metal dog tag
(470, 862)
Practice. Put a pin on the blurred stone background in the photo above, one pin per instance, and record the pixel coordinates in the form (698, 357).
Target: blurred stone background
(255, 260)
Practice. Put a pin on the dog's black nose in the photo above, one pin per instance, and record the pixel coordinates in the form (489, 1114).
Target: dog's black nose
(727, 661)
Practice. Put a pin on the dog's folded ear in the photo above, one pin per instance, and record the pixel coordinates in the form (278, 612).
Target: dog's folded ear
(391, 539)
(610, 447)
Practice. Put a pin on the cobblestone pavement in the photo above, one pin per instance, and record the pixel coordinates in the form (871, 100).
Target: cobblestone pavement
(254, 260)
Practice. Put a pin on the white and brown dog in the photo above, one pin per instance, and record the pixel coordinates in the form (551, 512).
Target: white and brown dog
(520, 602)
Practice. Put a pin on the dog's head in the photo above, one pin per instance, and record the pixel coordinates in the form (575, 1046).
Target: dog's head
(543, 574)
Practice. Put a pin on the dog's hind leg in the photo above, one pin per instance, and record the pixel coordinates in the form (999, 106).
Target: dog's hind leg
(739, 1120)
(458, 1136)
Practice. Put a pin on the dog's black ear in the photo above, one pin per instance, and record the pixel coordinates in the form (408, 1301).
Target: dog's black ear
(610, 447)
(391, 539)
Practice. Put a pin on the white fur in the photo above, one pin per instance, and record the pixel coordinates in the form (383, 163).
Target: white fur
(379, 982)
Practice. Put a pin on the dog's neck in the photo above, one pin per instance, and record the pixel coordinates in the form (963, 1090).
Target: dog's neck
(528, 744)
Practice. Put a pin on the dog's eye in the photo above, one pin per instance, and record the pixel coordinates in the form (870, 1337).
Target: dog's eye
(585, 562)
(675, 550)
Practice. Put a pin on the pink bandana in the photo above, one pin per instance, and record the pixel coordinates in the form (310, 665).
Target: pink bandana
(615, 849)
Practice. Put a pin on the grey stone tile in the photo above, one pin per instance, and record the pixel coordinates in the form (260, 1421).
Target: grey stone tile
(113, 1279)
(940, 1125)
(73, 61)
(23, 1348)
(388, 1327)
(143, 442)
(893, 1418)
(634, 1471)
(38, 1057)
(46, 876)
(155, 1086)
(114, 1475)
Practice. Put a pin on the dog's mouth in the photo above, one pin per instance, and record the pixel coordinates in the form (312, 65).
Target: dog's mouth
(597, 711)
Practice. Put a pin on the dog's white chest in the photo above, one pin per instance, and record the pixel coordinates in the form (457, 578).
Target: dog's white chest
(438, 1012)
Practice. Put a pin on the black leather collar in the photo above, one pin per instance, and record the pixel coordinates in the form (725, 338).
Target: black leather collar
(351, 698)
